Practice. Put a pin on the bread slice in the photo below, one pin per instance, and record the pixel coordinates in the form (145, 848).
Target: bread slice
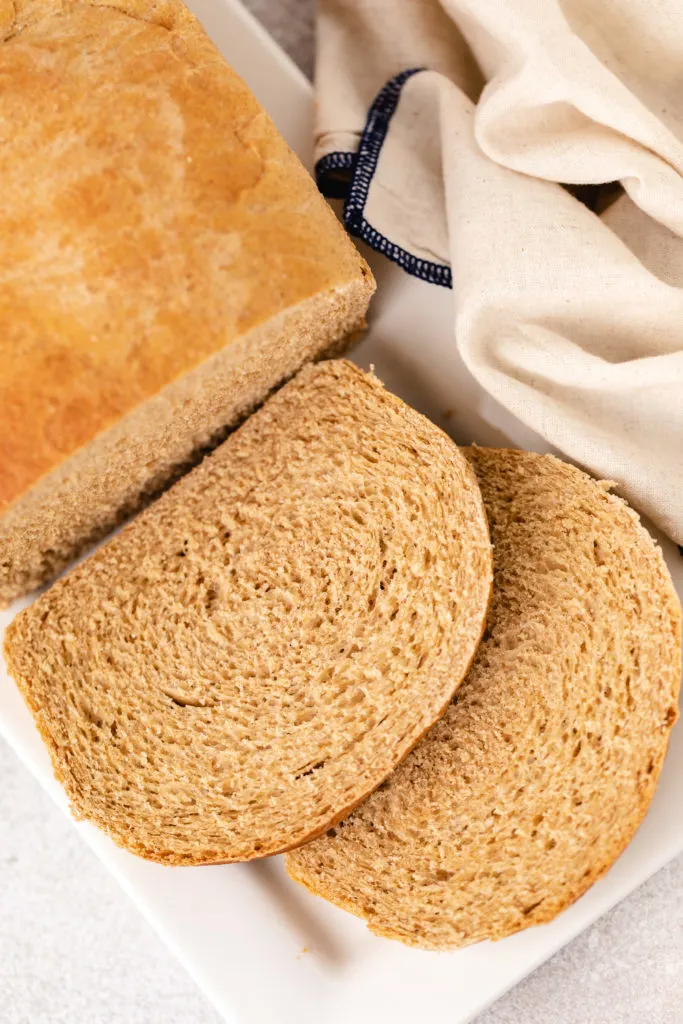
(253, 655)
(165, 262)
(544, 765)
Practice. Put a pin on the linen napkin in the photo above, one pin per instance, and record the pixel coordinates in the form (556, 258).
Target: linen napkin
(451, 130)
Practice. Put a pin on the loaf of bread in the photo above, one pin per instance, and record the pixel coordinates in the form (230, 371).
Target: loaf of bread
(255, 652)
(544, 765)
(165, 261)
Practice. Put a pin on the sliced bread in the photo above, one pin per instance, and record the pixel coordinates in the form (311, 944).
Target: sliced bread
(165, 262)
(544, 765)
(253, 655)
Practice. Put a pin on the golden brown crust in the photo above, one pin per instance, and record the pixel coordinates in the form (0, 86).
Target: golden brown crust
(147, 241)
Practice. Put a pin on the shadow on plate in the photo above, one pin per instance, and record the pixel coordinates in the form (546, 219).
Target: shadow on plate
(293, 903)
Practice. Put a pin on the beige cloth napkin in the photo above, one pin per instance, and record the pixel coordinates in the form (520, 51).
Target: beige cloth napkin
(570, 319)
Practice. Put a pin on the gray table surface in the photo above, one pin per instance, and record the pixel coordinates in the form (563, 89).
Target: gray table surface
(73, 949)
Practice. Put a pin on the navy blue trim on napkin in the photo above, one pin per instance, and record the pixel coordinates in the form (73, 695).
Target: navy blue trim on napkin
(333, 174)
(349, 176)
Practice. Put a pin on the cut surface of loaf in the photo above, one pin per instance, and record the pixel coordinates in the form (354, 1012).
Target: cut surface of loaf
(165, 262)
(543, 767)
(259, 648)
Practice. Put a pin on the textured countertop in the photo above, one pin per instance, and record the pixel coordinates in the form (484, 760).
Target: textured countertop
(73, 949)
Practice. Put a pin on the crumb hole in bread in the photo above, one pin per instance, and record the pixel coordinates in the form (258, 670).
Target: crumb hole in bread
(598, 552)
(91, 715)
(212, 597)
(309, 771)
(187, 702)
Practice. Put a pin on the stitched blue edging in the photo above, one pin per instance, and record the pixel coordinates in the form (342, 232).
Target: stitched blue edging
(371, 142)
(330, 181)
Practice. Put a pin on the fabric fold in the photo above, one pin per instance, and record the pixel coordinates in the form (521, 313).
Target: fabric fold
(451, 132)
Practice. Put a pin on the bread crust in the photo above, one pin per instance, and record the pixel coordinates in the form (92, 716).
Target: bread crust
(164, 220)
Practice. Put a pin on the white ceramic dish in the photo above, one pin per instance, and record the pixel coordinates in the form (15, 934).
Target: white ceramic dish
(263, 949)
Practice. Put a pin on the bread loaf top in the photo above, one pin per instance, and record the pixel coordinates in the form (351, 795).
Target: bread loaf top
(151, 215)
(544, 764)
(255, 652)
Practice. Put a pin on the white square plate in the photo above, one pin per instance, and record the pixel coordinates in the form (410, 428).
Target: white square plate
(262, 948)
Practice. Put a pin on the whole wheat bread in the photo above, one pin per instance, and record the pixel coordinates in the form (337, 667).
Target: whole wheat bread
(544, 765)
(165, 262)
(254, 654)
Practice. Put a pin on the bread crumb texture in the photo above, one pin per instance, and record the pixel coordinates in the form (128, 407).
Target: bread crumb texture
(543, 767)
(248, 659)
